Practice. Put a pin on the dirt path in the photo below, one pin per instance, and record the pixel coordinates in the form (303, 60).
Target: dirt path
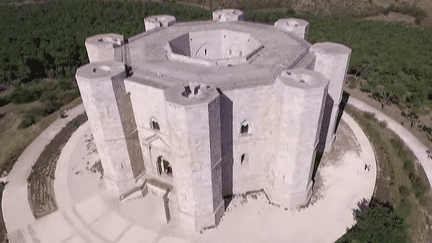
(426, 5)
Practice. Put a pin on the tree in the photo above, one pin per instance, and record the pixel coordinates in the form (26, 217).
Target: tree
(382, 95)
(376, 222)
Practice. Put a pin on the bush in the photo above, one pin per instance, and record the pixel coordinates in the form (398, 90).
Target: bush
(397, 143)
(383, 124)
(369, 115)
(27, 121)
(38, 112)
(408, 166)
(69, 95)
(403, 191)
(2, 115)
(376, 222)
(365, 88)
(352, 85)
(22, 94)
(4, 100)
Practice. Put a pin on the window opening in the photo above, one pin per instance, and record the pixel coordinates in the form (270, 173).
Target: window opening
(154, 124)
(244, 128)
(244, 159)
(163, 167)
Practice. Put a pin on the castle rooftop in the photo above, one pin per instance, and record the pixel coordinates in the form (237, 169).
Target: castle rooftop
(224, 54)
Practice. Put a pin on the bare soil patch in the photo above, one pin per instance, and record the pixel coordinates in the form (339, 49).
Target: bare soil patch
(394, 17)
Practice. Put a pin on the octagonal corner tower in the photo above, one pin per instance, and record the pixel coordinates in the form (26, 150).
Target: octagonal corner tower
(208, 109)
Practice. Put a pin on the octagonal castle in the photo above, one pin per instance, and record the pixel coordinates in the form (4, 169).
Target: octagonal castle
(198, 111)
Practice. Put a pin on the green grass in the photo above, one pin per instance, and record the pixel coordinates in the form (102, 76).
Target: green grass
(403, 179)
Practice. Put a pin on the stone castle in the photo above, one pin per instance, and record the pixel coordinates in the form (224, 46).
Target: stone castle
(196, 112)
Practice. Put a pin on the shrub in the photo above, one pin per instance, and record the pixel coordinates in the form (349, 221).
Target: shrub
(408, 166)
(404, 206)
(27, 121)
(419, 188)
(38, 111)
(404, 191)
(412, 177)
(396, 143)
(22, 94)
(2, 115)
(376, 222)
(365, 88)
(352, 85)
(69, 95)
(369, 115)
(4, 100)
(383, 124)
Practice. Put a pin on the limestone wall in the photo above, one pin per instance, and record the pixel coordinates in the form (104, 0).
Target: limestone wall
(95, 82)
(332, 61)
(195, 145)
(302, 93)
(149, 102)
(105, 47)
(252, 151)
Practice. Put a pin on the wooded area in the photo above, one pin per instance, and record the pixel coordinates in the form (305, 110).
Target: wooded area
(46, 40)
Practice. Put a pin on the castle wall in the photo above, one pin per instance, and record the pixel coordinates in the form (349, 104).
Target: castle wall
(105, 47)
(256, 105)
(195, 145)
(218, 143)
(303, 94)
(332, 61)
(147, 102)
(95, 81)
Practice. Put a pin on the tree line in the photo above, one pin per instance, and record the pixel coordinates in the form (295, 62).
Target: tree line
(46, 40)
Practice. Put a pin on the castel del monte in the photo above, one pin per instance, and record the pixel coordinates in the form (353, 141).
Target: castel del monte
(195, 112)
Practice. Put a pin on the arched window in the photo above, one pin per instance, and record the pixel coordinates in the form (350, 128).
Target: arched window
(154, 124)
(245, 127)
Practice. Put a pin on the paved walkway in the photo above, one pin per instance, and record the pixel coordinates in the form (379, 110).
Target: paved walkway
(418, 148)
(16, 209)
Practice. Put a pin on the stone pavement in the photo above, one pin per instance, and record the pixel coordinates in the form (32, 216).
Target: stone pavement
(418, 148)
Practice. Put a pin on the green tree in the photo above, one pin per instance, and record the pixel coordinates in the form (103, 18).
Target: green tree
(376, 222)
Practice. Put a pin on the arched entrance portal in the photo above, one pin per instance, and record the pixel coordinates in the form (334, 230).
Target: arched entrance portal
(163, 166)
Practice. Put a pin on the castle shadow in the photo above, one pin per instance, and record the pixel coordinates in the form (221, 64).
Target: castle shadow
(226, 117)
(325, 127)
